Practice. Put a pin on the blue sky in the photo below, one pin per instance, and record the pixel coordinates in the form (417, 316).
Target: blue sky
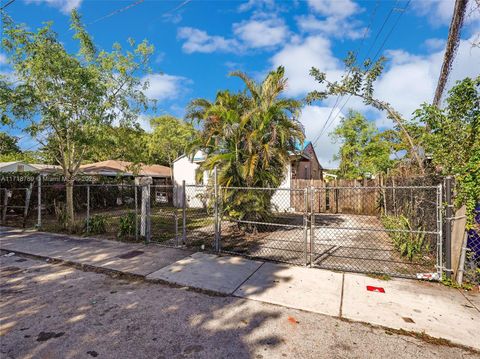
(199, 42)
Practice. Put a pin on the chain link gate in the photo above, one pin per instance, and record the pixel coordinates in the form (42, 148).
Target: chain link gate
(383, 230)
(265, 223)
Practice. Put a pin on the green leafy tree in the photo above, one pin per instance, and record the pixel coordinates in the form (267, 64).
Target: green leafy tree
(8, 144)
(363, 149)
(69, 98)
(454, 139)
(249, 137)
(169, 139)
(359, 81)
(123, 143)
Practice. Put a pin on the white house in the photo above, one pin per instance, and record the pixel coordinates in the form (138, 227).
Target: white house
(303, 165)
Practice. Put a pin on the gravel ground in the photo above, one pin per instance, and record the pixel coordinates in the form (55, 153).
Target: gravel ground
(53, 311)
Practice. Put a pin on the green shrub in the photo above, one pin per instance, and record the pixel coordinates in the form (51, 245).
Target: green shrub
(409, 244)
(96, 224)
(127, 225)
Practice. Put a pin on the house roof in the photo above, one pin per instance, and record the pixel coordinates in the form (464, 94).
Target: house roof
(6, 164)
(113, 167)
(42, 168)
(46, 168)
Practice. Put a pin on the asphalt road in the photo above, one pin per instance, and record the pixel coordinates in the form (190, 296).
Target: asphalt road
(53, 311)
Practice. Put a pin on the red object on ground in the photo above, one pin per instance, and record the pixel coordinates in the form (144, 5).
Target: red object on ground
(375, 289)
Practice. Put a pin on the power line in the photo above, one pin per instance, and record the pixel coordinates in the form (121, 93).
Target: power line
(348, 73)
(115, 12)
(8, 3)
(402, 11)
(379, 50)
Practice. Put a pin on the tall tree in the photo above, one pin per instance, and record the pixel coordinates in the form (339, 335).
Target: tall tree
(359, 82)
(8, 144)
(68, 98)
(123, 143)
(169, 139)
(249, 137)
(363, 149)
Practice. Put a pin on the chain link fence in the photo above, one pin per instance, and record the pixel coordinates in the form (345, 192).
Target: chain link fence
(265, 223)
(397, 230)
(377, 229)
(471, 269)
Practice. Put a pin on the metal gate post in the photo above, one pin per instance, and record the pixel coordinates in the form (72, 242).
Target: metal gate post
(88, 209)
(148, 218)
(136, 212)
(39, 202)
(184, 213)
(448, 227)
(305, 224)
(312, 223)
(216, 220)
(440, 231)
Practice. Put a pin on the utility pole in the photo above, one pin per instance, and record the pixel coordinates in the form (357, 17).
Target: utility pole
(450, 48)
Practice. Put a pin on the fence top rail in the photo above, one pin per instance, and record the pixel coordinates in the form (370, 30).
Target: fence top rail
(265, 223)
(266, 188)
(376, 187)
(91, 185)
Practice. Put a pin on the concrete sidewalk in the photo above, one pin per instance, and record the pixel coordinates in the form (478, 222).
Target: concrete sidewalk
(409, 305)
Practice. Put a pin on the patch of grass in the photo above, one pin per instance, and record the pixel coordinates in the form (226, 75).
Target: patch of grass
(452, 284)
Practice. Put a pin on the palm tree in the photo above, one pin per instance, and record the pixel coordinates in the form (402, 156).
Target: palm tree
(249, 137)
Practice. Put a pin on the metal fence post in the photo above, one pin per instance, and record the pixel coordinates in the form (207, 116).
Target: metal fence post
(216, 221)
(136, 212)
(39, 202)
(448, 227)
(312, 223)
(440, 231)
(88, 208)
(305, 224)
(148, 218)
(184, 213)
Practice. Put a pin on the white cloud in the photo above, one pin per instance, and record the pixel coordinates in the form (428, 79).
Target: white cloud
(299, 57)
(439, 12)
(64, 6)
(411, 80)
(251, 4)
(199, 41)
(258, 33)
(3, 59)
(164, 87)
(332, 26)
(337, 8)
(434, 44)
(335, 19)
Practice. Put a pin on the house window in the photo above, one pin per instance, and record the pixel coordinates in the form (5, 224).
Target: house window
(306, 173)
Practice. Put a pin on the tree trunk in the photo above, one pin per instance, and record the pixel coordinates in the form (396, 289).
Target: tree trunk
(70, 215)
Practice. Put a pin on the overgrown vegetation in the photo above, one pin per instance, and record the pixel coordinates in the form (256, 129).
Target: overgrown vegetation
(127, 225)
(96, 224)
(409, 244)
(249, 136)
(68, 99)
